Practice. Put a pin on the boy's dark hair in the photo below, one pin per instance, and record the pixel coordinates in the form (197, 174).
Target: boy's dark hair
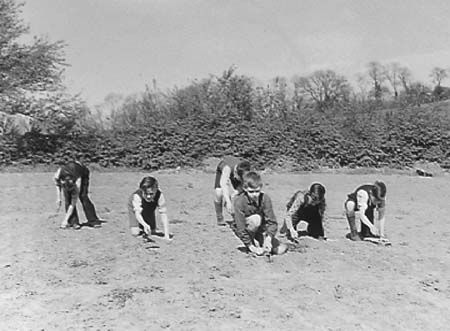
(252, 179)
(379, 190)
(242, 167)
(148, 182)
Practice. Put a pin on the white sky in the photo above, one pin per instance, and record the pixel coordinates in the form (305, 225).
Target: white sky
(121, 45)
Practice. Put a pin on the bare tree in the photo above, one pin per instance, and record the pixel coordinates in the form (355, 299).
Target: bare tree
(405, 77)
(438, 75)
(376, 72)
(392, 74)
(364, 86)
(280, 96)
(325, 88)
(419, 94)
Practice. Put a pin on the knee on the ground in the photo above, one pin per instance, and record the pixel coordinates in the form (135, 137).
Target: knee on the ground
(280, 249)
(135, 231)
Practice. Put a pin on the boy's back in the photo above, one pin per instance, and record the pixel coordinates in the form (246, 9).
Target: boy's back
(72, 169)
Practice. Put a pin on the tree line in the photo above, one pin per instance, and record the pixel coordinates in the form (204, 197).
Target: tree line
(302, 111)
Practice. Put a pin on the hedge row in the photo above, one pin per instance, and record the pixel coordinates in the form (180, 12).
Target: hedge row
(388, 139)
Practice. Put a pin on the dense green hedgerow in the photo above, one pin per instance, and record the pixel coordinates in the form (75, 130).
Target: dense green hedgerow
(381, 139)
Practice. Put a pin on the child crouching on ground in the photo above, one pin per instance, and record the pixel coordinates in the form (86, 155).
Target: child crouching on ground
(309, 207)
(142, 205)
(361, 206)
(255, 222)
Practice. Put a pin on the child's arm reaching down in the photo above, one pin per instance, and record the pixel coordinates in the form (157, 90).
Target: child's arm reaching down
(73, 201)
(137, 207)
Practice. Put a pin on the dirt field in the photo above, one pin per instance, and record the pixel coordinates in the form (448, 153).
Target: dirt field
(104, 279)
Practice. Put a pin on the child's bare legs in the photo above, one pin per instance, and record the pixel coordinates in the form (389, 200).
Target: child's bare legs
(253, 227)
(218, 206)
(253, 222)
(358, 221)
(165, 222)
(351, 218)
(135, 227)
(73, 219)
(279, 249)
(234, 194)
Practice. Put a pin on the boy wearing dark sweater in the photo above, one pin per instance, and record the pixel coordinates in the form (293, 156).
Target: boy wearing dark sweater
(254, 220)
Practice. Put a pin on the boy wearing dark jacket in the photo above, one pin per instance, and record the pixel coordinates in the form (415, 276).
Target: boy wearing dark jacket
(254, 220)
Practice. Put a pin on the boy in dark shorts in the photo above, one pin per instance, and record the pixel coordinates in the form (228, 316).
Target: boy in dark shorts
(142, 206)
(361, 205)
(254, 220)
(309, 207)
(228, 183)
(72, 179)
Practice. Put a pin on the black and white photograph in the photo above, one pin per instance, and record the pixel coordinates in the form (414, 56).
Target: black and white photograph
(225, 165)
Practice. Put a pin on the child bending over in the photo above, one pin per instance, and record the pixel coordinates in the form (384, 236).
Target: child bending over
(72, 180)
(227, 184)
(361, 206)
(309, 207)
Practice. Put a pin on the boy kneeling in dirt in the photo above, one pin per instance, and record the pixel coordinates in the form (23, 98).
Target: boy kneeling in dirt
(72, 179)
(361, 205)
(142, 205)
(255, 222)
(309, 207)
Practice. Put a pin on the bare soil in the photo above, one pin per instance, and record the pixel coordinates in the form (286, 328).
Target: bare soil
(105, 279)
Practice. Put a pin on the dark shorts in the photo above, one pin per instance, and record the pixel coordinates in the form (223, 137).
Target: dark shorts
(236, 186)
